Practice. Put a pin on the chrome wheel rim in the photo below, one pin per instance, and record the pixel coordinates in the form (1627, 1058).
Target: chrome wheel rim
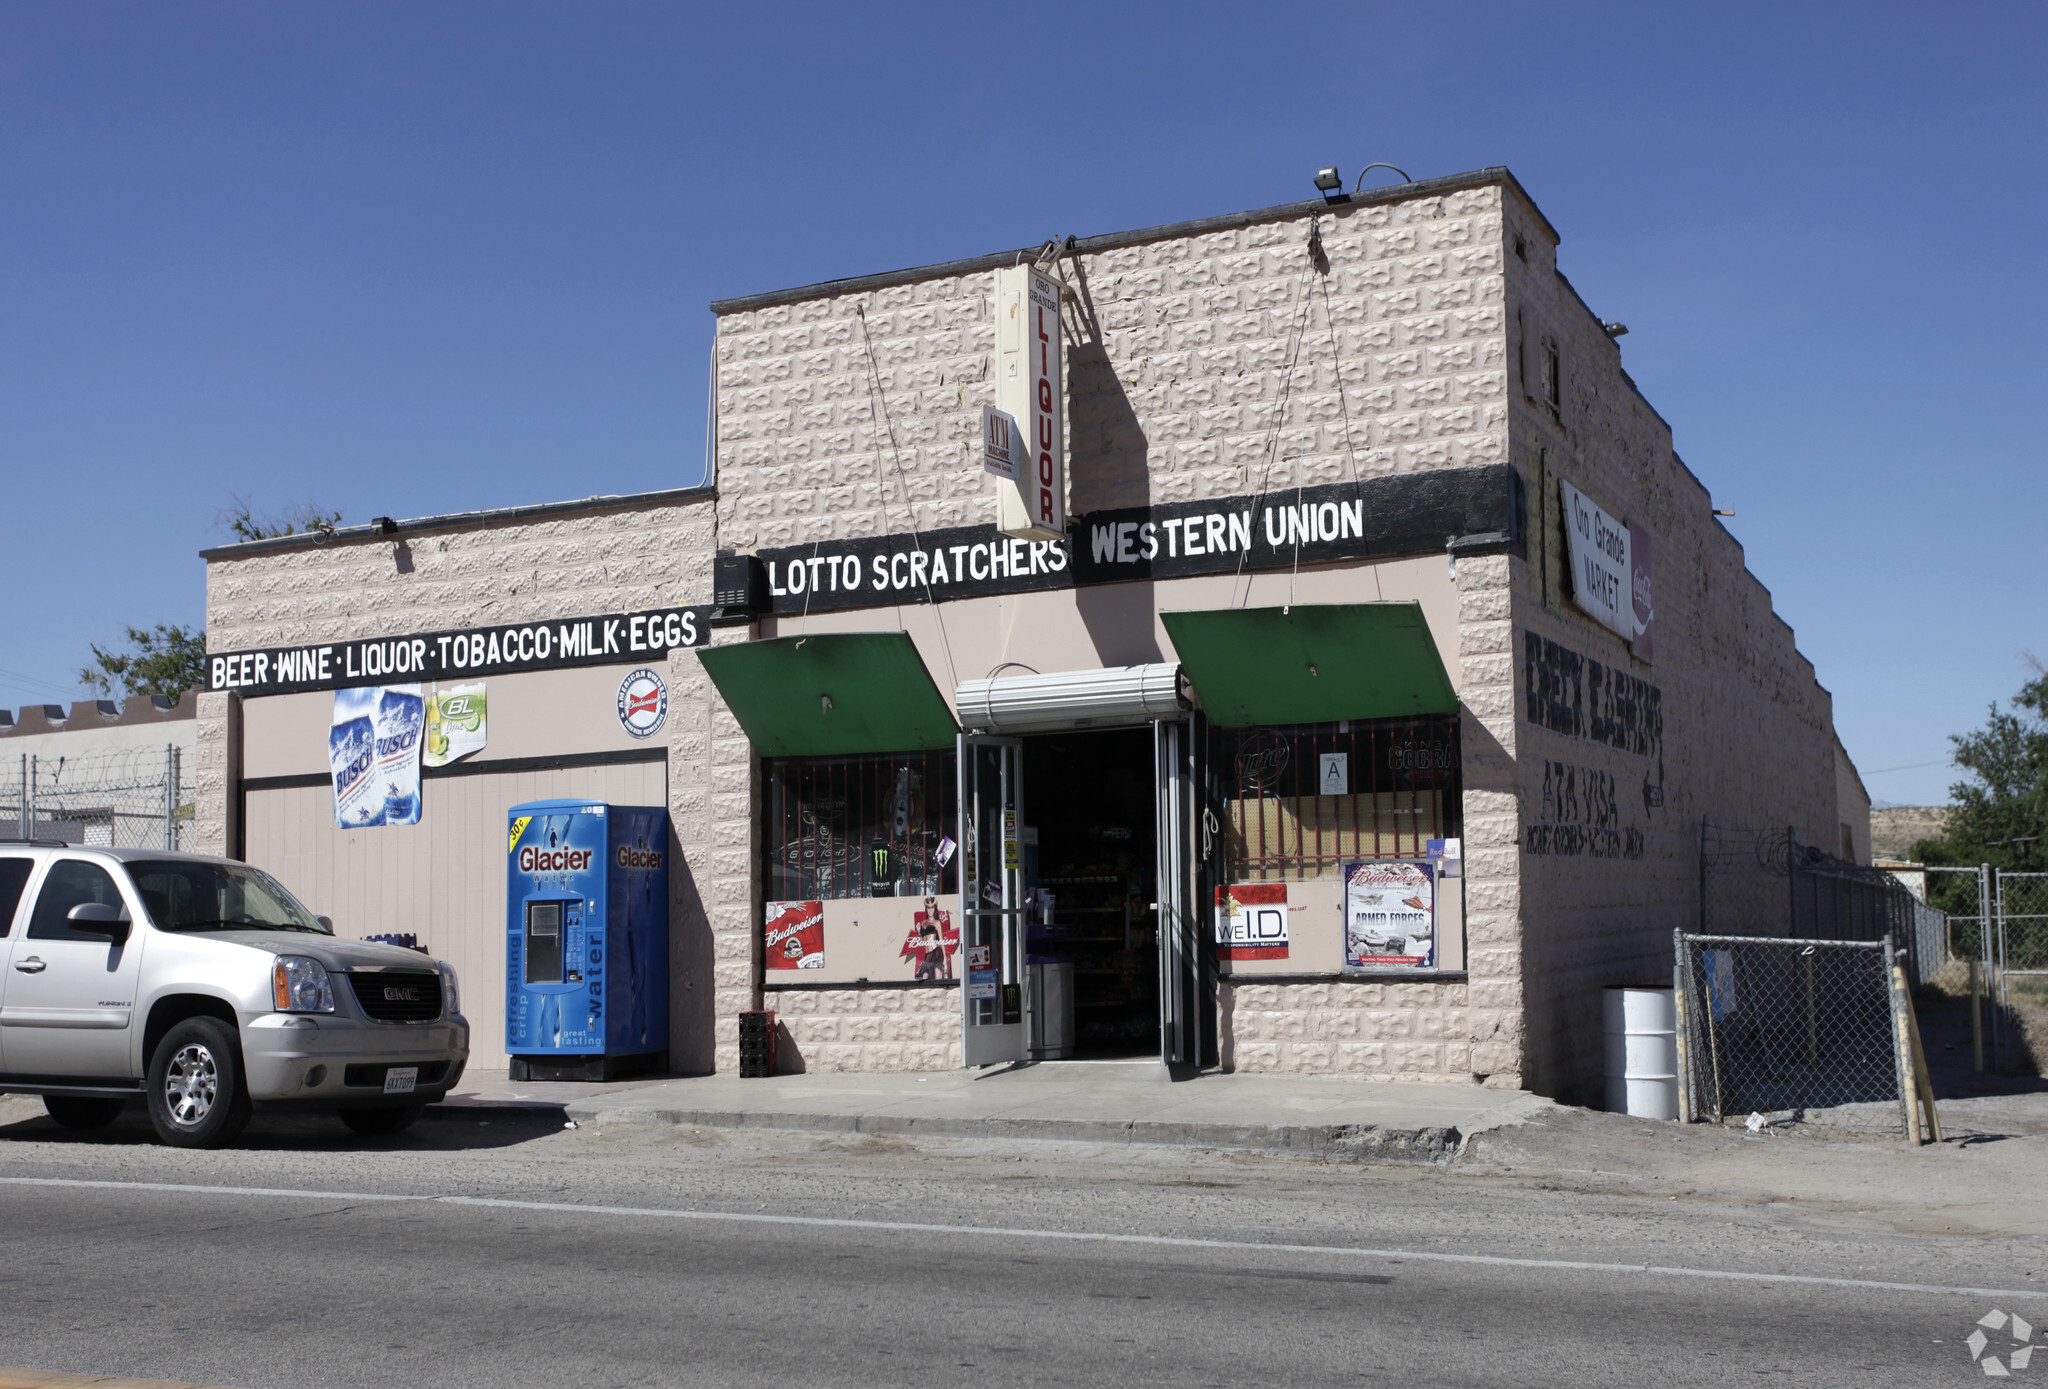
(191, 1085)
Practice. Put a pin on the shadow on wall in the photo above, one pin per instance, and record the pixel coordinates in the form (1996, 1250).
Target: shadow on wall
(1109, 466)
(692, 992)
(1109, 455)
(788, 1060)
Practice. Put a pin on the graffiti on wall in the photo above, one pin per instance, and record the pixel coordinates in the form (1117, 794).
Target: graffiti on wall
(1580, 814)
(1579, 697)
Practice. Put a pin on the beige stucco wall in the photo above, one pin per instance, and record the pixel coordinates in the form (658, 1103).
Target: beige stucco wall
(1852, 807)
(546, 713)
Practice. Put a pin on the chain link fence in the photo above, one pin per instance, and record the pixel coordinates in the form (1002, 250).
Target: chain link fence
(2023, 917)
(1769, 1024)
(1764, 882)
(135, 798)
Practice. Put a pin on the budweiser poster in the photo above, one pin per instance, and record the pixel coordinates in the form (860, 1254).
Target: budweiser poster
(1389, 914)
(932, 942)
(796, 935)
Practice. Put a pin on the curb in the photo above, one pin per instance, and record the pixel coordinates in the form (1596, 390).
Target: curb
(1363, 1143)
(463, 1109)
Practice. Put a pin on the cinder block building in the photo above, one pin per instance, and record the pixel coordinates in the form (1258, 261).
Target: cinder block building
(1353, 710)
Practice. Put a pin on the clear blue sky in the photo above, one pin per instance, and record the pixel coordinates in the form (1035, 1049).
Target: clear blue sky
(409, 258)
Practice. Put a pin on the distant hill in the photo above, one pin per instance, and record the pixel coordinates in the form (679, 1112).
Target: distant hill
(1896, 828)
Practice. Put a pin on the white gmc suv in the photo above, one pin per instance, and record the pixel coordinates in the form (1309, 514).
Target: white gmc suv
(203, 986)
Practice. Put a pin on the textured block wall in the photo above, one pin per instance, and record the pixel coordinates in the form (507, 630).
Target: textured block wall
(495, 570)
(859, 413)
(1208, 365)
(1413, 1031)
(1609, 834)
(866, 1029)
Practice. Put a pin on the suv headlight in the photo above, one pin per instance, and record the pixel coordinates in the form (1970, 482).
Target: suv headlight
(451, 996)
(299, 985)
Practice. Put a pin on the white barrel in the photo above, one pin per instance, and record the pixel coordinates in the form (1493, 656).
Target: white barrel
(1642, 1053)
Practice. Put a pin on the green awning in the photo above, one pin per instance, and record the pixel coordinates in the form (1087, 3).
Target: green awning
(831, 695)
(1311, 663)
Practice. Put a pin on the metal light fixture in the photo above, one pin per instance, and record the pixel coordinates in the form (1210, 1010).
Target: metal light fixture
(383, 525)
(1331, 184)
(1615, 330)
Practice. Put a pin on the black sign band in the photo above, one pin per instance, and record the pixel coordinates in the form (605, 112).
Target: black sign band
(1413, 513)
(611, 639)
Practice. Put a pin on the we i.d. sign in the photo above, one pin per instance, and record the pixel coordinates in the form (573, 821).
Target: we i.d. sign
(1031, 388)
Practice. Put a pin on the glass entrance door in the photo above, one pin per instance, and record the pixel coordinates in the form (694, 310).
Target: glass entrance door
(995, 1028)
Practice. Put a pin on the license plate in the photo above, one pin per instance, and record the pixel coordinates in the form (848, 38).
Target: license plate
(400, 1080)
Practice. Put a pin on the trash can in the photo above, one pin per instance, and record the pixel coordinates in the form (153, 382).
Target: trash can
(1052, 1009)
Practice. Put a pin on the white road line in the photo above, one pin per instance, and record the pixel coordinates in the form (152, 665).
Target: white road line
(1071, 1236)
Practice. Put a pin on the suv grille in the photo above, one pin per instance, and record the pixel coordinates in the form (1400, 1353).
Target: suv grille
(398, 995)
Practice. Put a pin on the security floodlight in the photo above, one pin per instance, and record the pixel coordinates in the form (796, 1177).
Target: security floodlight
(1615, 330)
(1331, 183)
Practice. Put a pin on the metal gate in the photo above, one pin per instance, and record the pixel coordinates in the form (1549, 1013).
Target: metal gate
(137, 798)
(1775, 1024)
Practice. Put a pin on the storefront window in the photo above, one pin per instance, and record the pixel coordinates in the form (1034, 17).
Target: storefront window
(872, 826)
(1301, 801)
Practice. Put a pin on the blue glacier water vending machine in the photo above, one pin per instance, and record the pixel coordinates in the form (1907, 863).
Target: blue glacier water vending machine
(586, 940)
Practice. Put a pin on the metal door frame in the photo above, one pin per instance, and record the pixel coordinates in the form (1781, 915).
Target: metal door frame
(1173, 798)
(985, 1040)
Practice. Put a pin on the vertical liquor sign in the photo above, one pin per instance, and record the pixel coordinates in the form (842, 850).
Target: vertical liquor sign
(1031, 389)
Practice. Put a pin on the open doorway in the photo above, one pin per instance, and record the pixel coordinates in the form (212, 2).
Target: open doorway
(1092, 804)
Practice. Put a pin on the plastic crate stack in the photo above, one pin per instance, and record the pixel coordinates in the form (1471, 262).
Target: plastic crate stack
(757, 1043)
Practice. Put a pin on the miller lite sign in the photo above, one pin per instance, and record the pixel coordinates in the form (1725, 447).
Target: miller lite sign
(1031, 389)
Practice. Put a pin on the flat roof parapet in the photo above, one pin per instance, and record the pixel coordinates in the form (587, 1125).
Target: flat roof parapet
(1369, 197)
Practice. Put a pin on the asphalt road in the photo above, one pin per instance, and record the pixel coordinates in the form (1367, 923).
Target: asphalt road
(513, 1251)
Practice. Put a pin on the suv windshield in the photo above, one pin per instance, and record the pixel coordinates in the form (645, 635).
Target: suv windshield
(183, 895)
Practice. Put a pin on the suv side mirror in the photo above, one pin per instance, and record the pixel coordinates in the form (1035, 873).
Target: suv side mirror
(326, 921)
(99, 919)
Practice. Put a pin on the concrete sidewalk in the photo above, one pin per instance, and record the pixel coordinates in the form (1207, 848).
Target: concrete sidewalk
(1094, 1102)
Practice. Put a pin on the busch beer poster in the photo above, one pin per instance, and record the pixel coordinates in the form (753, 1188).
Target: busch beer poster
(373, 755)
(796, 935)
(1251, 921)
(1389, 914)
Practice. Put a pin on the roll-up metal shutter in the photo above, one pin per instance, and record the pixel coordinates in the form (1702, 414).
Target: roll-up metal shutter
(1106, 698)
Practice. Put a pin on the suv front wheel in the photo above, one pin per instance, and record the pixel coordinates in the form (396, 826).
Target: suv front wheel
(196, 1095)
